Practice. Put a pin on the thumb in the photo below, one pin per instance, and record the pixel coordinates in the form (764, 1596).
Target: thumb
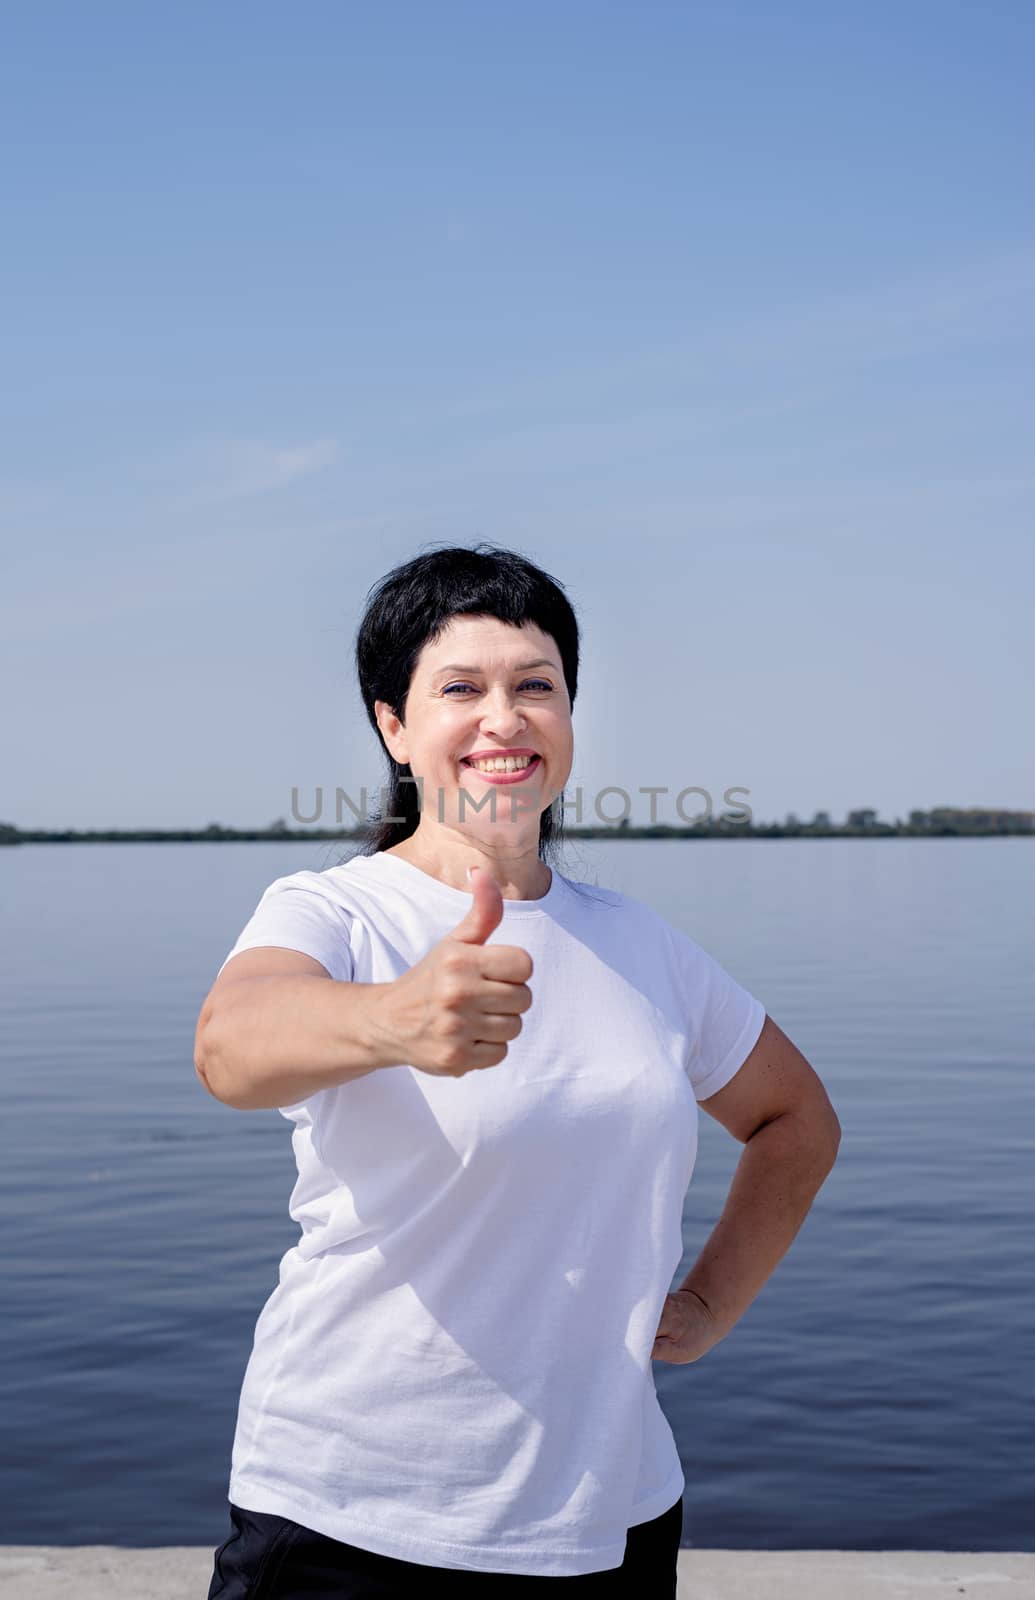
(487, 911)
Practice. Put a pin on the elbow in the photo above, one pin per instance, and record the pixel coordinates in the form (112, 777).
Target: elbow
(835, 1125)
(203, 1054)
(210, 1068)
(834, 1135)
(824, 1124)
(201, 1068)
(820, 1129)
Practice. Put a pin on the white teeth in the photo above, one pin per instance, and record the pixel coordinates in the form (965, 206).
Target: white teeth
(502, 763)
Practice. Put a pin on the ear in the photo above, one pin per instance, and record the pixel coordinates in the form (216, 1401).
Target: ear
(392, 732)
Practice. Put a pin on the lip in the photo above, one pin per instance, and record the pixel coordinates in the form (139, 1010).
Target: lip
(514, 750)
(508, 777)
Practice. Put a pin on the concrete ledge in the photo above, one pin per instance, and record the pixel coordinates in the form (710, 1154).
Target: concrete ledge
(183, 1572)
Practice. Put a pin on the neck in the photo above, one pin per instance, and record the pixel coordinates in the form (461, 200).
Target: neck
(517, 869)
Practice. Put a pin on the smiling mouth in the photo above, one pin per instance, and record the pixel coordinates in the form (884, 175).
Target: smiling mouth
(504, 771)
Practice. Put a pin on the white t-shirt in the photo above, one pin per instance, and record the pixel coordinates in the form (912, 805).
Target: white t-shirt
(455, 1366)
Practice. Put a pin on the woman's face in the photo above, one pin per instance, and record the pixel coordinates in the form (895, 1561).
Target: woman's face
(485, 686)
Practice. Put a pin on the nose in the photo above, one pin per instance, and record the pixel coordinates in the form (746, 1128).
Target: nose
(502, 716)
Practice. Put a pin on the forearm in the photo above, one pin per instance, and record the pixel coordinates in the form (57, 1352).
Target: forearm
(273, 1041)
(781, 1169)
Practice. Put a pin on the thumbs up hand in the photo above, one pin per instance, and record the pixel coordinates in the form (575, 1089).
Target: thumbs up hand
(454, 1010)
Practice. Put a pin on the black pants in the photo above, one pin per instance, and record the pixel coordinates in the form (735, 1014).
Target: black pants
(272, 1558)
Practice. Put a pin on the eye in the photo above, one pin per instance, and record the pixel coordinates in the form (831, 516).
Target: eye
(539, 682)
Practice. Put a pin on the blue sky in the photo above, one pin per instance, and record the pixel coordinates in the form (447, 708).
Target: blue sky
(722, 313)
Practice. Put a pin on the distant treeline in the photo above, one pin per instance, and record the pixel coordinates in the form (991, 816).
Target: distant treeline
(865, 824)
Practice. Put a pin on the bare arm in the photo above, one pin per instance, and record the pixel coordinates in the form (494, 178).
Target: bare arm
(780, 1171)
(778, 1108)
(275, 1028)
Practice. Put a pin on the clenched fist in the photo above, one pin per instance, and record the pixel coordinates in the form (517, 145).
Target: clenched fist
(456, 1008)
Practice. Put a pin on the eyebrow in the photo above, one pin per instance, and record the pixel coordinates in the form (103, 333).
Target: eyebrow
(522, 666)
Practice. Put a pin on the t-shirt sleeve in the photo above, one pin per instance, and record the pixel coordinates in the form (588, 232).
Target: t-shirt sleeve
(298, 913)
(725, 1018)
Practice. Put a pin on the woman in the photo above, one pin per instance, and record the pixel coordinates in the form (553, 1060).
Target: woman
(493, 1079)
